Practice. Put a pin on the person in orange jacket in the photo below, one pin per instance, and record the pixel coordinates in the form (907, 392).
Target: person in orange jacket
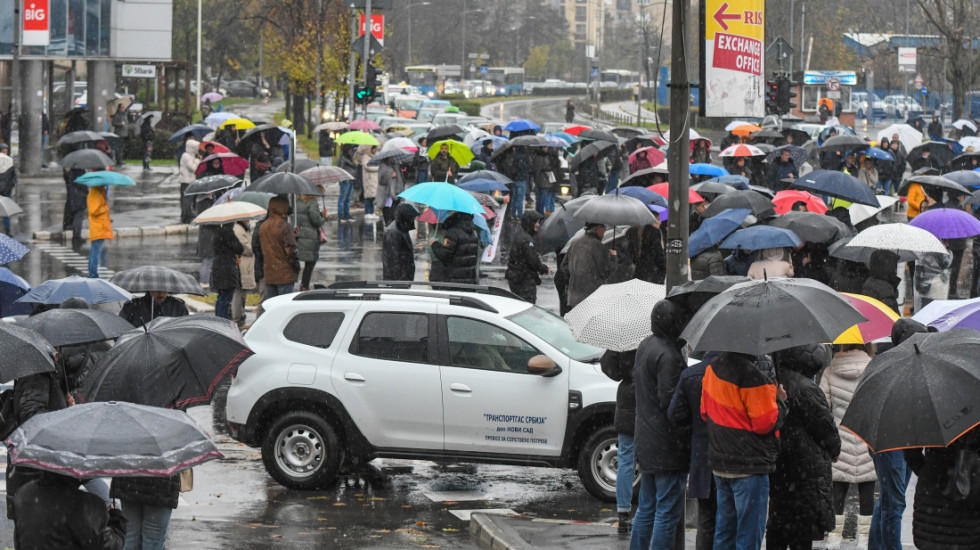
(99, 228)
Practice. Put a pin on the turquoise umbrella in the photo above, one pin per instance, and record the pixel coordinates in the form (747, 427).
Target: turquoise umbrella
(443, 196)
(104, 177)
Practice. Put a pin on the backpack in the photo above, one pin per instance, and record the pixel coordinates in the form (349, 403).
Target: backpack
(8, 416)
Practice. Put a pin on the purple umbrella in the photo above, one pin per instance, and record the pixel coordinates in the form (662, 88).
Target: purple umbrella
(947, 223)
(214, 97)
(967, 316)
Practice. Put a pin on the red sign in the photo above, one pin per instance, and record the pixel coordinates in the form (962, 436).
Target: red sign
(377, 26)
(738, 53)
(36, 15)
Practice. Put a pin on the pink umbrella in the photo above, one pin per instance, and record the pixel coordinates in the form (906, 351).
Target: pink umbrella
(654, 155)
(231, 164)
(363, 124)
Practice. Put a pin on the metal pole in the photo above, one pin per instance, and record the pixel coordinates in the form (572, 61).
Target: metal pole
(462, 52)
(639, 85)
(792, 19)
(408, 57)
(319, 56)
(199, 56)
(350, 77)
(367, 46)
(802, 38)
(15, 87)
(678, 161)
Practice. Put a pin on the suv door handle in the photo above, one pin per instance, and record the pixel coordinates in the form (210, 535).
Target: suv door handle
(354, 377)
(461, 388)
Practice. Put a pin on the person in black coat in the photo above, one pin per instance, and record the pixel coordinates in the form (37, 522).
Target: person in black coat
(77, 359)
(225, 276)
(619, 367)
(648, 250)
(800, 495)
(662, 449)
(459, 251)
(51, 512)
(524, 265)
(76, 203)
(398, 252)
(882, 284)
(153, 304)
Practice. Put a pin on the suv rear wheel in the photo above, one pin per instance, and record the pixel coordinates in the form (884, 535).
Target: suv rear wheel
(301, 451)
(598, 462)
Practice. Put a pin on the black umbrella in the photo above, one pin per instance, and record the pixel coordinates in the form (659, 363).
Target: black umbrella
(844, 143)
(173, 362)
(598, 135)
(812, 227)
(446, 131)
(837, 184)
(529, 141)
(485, 174)
(694, 294)
(760, 206)
(197, 130)
(768, 134)
(26, 352)
(966, 178)
(86, 159)
(558, 228)
(799, 136)
(212, 184)
(646, 140)
(272, 132)
(923, 393)
(284, 182)
(643, 178)
(66, 327)
(938, 150)
(302, 165)
(615, 209)
(80, 136)
(715, 187)
(761, 317)
(964, 161)
(941, 182)
(590, 150)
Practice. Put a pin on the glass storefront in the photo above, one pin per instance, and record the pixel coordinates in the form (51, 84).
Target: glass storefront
(79, 28)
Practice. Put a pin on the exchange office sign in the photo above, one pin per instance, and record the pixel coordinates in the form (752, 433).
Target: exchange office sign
(733, 58)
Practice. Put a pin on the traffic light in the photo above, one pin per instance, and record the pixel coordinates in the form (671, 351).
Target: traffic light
(785, 95)
(362, 95)
(772, 93)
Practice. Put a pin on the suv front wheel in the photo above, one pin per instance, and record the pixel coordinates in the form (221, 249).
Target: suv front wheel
(598, 461)
(301, 451)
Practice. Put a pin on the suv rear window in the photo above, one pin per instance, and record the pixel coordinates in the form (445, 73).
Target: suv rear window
(393, 337)
(314, 329)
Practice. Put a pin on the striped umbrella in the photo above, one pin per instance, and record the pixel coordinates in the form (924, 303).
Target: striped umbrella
(880, 319)
(742, 150)
(324, 175)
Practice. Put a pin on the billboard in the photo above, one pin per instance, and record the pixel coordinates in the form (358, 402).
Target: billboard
(37, 30)
(733, 58)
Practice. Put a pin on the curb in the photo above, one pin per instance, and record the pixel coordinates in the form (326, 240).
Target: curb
(120, 233)
(487, 534)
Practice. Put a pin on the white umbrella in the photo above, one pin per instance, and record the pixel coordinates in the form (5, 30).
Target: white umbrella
(909, 136)
(861, 212)
(474, 135)
(616, 317)
(228, 212)
(971, 141)
(898, 237)
(735, 124)
(691, 134)
(400, 143)
(959, 124)
(334, 126)
(9, 208)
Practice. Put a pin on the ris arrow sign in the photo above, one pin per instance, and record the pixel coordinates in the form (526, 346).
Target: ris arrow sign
(721, 17)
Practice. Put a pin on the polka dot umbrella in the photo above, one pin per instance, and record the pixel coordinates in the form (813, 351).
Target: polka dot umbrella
(617, 316)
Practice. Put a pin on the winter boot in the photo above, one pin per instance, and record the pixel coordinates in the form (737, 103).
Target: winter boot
(835, 537)
(624, 523)
(863, 532)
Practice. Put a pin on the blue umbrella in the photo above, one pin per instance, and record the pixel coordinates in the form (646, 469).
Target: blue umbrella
(645, 195)
(478, 220)
(702, 169)
(483, 185)
(199, 131)
(876, 153)
(104, 177)
(737, 181)
(11, 250)
(496, 141)
(837, 184)
(93, 291)
(443, 196)
(660, 210)
(569, 139)
(760, 237)
(521, 125)
(714, 229)
(11, 288)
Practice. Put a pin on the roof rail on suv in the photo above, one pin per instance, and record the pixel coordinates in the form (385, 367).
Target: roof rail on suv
(375, 294)
(477, 289)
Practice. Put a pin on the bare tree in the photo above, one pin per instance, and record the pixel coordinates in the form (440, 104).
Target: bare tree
(957, 22)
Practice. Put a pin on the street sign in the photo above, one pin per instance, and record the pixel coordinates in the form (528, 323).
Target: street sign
(906, 60)
(925, 91)
(375, 5)
(484, 70)
(782, 47)
(833, 85)
(918, 82)
(139, 71)
(734, 34)
(36, 23)
(833, 94)
(375, 46)
(377, 27)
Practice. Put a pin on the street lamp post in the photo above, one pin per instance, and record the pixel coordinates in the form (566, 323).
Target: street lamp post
(199, 55)
(408, 58)
(462, 53)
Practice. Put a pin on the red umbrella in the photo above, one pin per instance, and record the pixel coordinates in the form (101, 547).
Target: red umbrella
(656, 156)
(661, 189)
(576, 130)
(363, 124)
(231, 164)
(784, 201)
(218, 148)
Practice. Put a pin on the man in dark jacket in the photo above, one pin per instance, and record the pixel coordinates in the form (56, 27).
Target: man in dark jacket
(147, 135)
(780, 168)
(398, 252)
(743, 408)
(459, 251)
(590, 264)
(53, 513)
(619, 367)
(524, 265)
(444, 167)
(882, 284)
(935, 129)
(151, 305)
(662, 449)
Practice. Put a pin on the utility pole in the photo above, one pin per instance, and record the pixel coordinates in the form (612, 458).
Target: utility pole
(319, 56)
(367, 45)
(350, 77)
(792, 18)
(678, 162)
(15, 84)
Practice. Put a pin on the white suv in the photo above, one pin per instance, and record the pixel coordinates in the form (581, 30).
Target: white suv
(458, 373)
(900, 105)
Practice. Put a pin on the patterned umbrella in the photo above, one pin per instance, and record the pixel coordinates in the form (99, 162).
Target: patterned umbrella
(796, 154)
(11, 250)
(334, 126)
(394, 156)
(879, 324)
(742, 150)
(325, 175)
(155, 278)
(617, 316)
(211, 184)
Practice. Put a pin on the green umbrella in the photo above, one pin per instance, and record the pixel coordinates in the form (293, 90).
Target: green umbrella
(457, 149)
(357, 138)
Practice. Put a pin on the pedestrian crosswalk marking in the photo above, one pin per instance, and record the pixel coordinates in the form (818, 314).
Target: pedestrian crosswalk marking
(73, 260)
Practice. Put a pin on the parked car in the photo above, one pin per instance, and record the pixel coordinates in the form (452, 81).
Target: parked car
(859, 104)
(899, 106)
(242, 88)
(452, 373)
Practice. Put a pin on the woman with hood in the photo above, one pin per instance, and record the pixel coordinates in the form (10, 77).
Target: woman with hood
(99, 228)
(398, 252)
(882, 284)
(369, 179)
(524, 266)
(800, 510)
(390, 185)
(640, 162)
(189, 162)
(459, 251)
(855, 466)
(772, 262)
(225, 274)
(309, 219)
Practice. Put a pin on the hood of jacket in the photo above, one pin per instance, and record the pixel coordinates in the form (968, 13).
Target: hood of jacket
(405, 216)
(278, 207)
(528, 219)
(807, 360)
(904, 328)
(192, 147)
(850, 365)
(667, 320)
(884, 265)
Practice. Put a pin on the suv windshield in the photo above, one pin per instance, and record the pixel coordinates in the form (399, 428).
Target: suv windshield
(554, 330)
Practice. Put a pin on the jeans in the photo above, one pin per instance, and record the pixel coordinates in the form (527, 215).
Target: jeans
(96, 254)
(885, 185)
(742, 506)
(886, 521)
(517, 200)
(222, 307)
(546, 201)
(707, 510)
(625, 473)
(343, 203)
(271, 291)
(146, 527)
(660, 512)
(368, 206)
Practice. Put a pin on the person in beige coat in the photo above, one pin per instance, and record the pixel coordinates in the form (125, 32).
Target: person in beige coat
(855, 465)
(369, 178)
(772, 262)
(246, 266)
(188, 165)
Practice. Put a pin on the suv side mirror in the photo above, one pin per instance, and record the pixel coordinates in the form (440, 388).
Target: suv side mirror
(541, 365)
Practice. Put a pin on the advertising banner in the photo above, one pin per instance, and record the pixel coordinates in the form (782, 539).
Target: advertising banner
(733, 68)
(37, 30)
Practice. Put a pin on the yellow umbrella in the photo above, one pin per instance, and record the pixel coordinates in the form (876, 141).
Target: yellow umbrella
(880, 319)
(457, 149)
(238, 123)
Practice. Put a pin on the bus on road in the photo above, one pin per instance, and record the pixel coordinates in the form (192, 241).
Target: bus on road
(507, 80)
(621, 77)
(431, 79)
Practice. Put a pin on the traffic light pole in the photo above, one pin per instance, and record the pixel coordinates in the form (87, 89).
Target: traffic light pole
(366, 54)
(350, 76)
